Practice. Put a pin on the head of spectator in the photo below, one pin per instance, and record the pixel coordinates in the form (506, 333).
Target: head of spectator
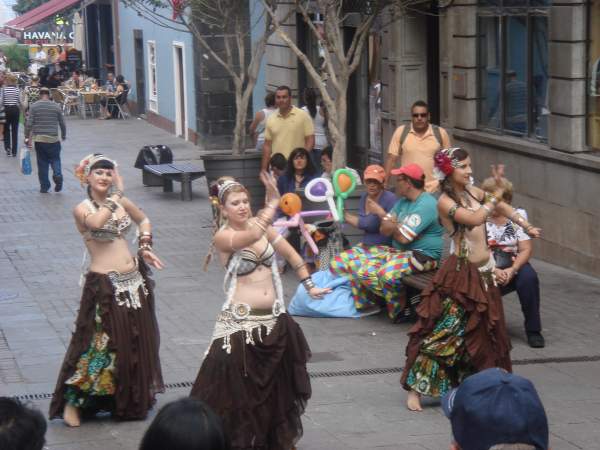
(374, 177)
(310, 100)
(410, 181)
(185, 424)
(21, 427)
(34, 81)
(277, 164)
(10, 80)
(110, 78)
(120, 79)
(283, 99)
(300, 163)
(76, 75)
(490, 185)
(40, 48)
(270, 100)
(496, 410)
(420, 116)
(327, 160)
(44, 93)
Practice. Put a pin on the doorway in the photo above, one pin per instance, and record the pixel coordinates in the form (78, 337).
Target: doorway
(140, 71)
(180, 101)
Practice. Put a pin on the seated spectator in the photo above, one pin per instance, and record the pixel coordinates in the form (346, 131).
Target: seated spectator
(374, 204)
(376, 272)
(75, 82)
(121, 89)
(53, 81)
(496, 410)
(300, 170)
(277, 165)
(327, 165)
(185, 424)
(512, 249)
(21, 427)
(110, 85)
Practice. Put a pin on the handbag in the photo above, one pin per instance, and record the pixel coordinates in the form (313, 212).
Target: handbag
(25, 161)
(503, 259)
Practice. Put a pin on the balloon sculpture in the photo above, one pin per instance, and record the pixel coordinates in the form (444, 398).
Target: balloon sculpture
(320, 190)
(344, 183)
(291, 205)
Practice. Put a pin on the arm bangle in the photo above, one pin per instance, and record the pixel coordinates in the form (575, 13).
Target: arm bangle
(308, 283)
(299, 265)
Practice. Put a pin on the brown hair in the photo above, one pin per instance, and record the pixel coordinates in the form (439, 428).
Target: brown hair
(490, 185)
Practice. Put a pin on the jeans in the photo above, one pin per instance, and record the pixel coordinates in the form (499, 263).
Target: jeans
(11, 129)
(48, 154)
(527, 285)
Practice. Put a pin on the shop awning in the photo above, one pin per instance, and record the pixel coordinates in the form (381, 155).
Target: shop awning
(39, 14)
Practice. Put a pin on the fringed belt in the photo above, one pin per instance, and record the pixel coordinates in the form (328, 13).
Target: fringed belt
(127, 287)
(487, 273)
(230, 322)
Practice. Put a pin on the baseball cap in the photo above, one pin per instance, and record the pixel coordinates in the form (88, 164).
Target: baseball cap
(413, 171)
(496, 407)
(374, 172)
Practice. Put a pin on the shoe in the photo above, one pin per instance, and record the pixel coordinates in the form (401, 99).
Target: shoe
(43, 191)
(535, 339)
(8, 152)
(58, 183)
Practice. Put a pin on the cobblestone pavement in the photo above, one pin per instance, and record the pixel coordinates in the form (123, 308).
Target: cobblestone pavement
(359, 408)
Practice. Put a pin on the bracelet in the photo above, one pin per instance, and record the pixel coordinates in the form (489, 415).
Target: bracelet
(268, 205)
(489, 197)
(388, 216)
(308, 283)
(488, 210)
(119, 193)
(145, 248)
(257, 223)
(452, 211)
(299, 265)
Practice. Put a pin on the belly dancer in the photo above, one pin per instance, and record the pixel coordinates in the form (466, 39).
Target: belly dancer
(112, 362)
(254, 373)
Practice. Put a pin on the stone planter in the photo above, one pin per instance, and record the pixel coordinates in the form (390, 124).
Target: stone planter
(244, 168)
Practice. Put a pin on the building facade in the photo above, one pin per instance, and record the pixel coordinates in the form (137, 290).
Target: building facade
(514, 82)
(158, 62)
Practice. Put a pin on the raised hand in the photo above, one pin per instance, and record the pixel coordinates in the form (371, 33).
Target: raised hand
(534, 232)
(117, 180)
(270, 186)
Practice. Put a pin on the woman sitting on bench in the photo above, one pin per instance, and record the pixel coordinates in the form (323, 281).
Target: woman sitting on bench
(460, 328)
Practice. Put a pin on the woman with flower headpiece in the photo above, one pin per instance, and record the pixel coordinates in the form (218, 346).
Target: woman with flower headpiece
(460, 328)
(112, 362)
(254, 373)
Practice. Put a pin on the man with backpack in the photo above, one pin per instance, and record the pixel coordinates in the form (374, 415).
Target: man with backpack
(416, 143)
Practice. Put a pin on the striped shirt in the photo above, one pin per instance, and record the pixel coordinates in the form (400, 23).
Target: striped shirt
(12, 96)
(45, 117)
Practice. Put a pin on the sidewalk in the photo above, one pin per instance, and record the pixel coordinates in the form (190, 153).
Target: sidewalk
(357, 401)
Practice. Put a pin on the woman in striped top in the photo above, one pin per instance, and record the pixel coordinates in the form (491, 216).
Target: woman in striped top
(11, 99)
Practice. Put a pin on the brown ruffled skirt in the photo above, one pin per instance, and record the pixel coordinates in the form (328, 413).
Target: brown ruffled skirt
(485, 337)
(260, 391)
(133, 337)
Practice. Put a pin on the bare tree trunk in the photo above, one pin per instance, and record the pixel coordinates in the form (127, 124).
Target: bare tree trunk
(239, 132)
(340, 146)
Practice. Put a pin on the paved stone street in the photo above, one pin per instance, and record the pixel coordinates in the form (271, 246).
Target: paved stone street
(357, 402)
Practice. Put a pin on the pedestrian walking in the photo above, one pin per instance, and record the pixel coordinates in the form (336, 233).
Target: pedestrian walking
(41, 129)
(112, 362)
(254, 374)
(11, 100)
(417, 143)
(257, 127)
(287, 128)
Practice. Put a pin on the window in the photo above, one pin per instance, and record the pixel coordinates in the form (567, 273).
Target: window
(512, 62)
(593, 90)
(152, 85)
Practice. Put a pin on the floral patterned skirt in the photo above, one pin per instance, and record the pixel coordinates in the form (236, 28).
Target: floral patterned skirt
(94, 377)
(443, 361)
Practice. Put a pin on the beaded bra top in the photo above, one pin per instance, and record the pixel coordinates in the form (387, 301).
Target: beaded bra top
(249, 261)
(114, 228)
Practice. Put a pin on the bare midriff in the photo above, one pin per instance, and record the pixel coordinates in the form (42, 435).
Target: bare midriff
(256, 288)
(108, 256)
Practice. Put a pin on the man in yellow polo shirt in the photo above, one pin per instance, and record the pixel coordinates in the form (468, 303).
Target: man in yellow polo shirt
(286, 129)
(417, 144)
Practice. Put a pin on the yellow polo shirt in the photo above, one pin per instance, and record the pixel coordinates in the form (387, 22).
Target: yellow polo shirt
(419, 150)
(288, 132)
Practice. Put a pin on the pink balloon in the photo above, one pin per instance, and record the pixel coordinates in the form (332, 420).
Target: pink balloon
(319, 189)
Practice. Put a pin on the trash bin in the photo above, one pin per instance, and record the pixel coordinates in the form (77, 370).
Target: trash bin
(153, 154)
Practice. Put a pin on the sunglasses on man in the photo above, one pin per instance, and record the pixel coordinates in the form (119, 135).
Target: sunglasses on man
(415, 115)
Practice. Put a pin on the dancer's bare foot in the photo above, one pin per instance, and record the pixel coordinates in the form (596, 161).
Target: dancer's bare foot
(413, 401)
(71, 416)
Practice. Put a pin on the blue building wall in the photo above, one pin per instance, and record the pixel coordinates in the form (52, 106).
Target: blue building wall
(164, 39)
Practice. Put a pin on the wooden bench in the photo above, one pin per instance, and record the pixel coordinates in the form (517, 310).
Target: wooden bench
(416, 283)
(183, 173)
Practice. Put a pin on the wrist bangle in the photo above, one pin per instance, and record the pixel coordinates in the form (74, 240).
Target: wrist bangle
(488, 210)
(388, 216)
(119, 193)
(308, 283)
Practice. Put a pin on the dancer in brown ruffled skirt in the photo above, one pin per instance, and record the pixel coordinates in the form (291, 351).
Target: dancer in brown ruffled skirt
(254, 374)
(112, 362)
(461, 327)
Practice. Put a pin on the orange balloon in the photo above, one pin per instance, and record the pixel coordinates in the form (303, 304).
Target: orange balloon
(290, 204)
(344, 182)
